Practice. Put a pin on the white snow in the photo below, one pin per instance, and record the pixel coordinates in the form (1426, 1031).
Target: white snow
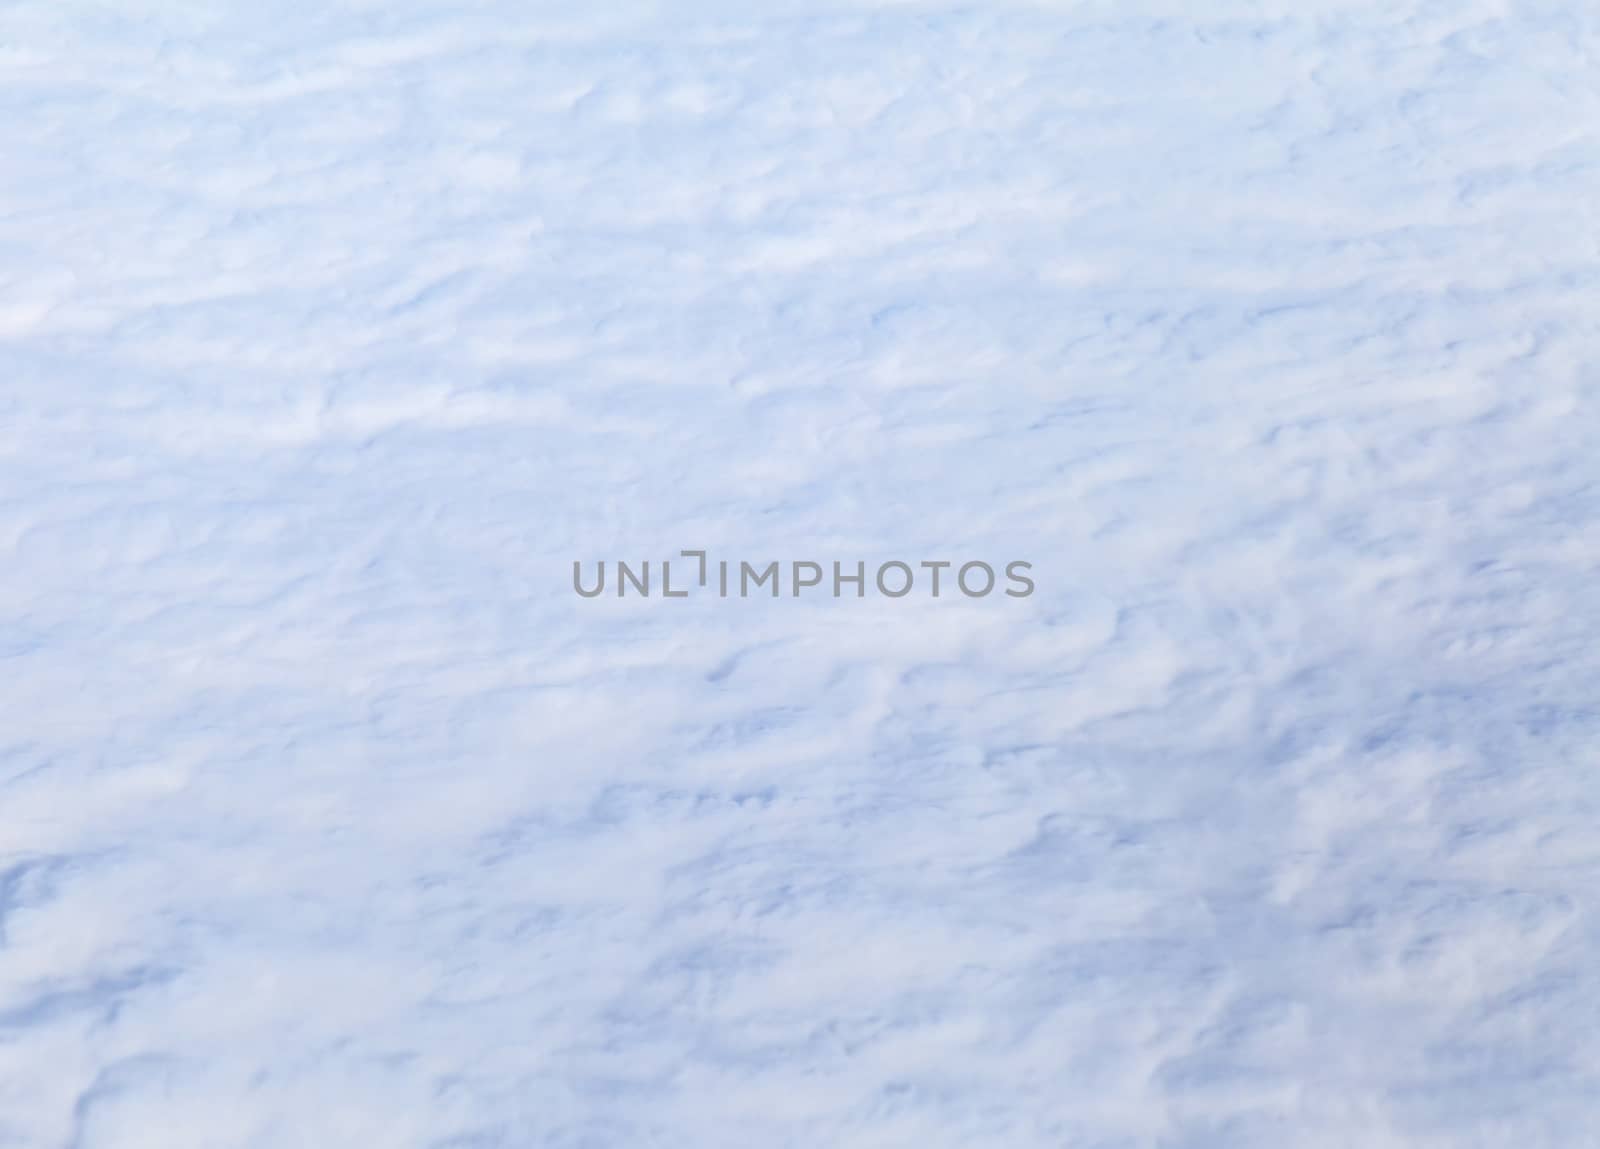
(331, 335)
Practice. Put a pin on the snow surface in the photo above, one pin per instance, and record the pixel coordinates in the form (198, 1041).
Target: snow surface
(332, 334)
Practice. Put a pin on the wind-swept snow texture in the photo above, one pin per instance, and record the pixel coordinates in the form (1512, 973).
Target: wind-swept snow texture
(332, 334)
